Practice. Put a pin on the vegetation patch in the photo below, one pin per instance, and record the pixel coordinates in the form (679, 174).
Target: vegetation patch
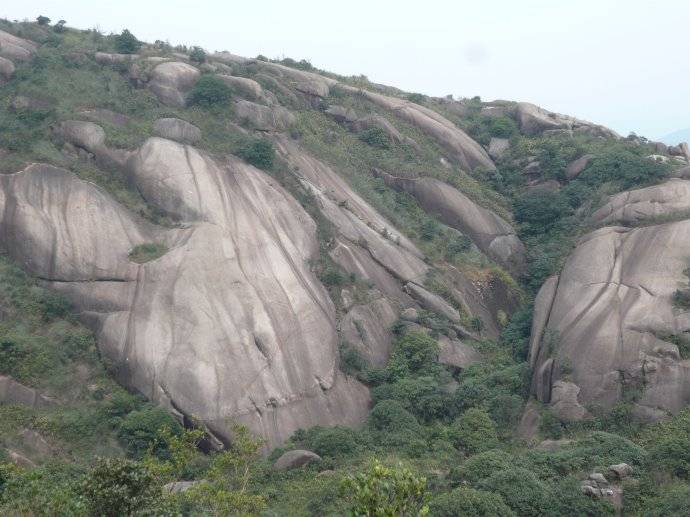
(147, 252)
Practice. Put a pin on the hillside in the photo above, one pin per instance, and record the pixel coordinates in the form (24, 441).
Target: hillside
(230, 284)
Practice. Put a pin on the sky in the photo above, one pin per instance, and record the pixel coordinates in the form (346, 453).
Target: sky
(621, 63)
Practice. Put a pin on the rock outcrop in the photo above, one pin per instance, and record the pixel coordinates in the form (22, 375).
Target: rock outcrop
(493, 235)
(295, 459)
(534, 120)
(264, 118)
(243, 85)
(243, 331)
(176, 129)
(602, 327)
(468, 153)
(172, 80)
(15, 48)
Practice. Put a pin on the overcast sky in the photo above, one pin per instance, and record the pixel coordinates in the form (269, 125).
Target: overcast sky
(624, 64)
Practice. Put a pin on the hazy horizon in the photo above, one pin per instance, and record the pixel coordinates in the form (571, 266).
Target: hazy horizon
(624, 65)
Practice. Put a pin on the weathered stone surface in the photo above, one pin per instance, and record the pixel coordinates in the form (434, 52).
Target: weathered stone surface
(534, 120)
(620, 471)
(668, 199)
(432, 302)
(86, 135)
(493, 235)
(20, 460)
(468, 153)
(368, 329)
(453, 352)
(341, 114)
(498, 147)
(410, 314)
(176, 129)
(105, 116)
(264, 118)
(575, 167)
(377, 121)
(564, 402)
(530, 421)
(304, 82)
(105, 58)
(243, 85)
(610, 311)
(228, 58)
(171, 81)
(237, 348)
(540, 316)
(14, 48)
(13, 392)
(295, 459)
(6, 69)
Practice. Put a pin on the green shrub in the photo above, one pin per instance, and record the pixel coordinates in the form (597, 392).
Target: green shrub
(118, 487)
(351, 360)
(209, 91)
(474, 431)
(387, 491)
(332, 442)
(502, 127)
(127, 43)
(673, 500)
(197, 55)
(141, 428)
(623, 168)
(391, 416)
(414, 353)
(423, 396)
(521, 490)
(147, 252)
(417, 98)
(538, 211)
(259, 152)
(376, 137)
(43, 20)
(484, 464)
(668, 445)
(468, 502)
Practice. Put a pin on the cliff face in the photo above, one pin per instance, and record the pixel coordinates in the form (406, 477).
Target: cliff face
(376, 206)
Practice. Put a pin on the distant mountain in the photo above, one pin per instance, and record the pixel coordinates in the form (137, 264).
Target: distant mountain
(682, 135)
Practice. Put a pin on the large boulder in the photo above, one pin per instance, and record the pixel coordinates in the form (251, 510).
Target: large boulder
(492, 234)
(245, 86)
(498, 147)
(6, 69)
(602, 326)
(243, 330)
(104, 58)
(86, 135)
(575, 167)
(534, 120)
(15, 393)
(264, 118)
(15, 48)
(367, 327)
(468, 153)
(171, 81)
(669, 199)
(295, 459)
(176, 129)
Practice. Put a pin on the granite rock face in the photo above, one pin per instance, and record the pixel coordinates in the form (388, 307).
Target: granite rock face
(202, 329)
(603, 325)
(178, 130)
(171, 81)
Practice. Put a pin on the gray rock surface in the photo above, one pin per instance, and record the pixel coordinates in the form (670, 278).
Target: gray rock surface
(498, 147)
(468, 153)
(238, 348)
(243, 85)
(295, 459)
(534, 120)
(104, 58)
(669, 199)
(86, 135)
(455, 353)
(610, 312)
(264, 118)
(493, 235)
(105, 116)
(620, 471)
(176, 129)
(432, 302)
(15, 48)
(15, 393)
(171, 81)
(367, 328)
(575, 167)
(6, 69)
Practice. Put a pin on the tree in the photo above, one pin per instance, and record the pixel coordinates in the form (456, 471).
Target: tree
(127, 43)
(522, 491)
(43, 20)
(118, 487)
(387, 492)
(259, 152)
(209, 91)
(468, 502)
(474, 431)
(197, 55)
(60, 26)
(376, 137)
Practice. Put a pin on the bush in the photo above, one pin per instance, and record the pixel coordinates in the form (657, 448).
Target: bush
(197, 55)
(376, 137)
(127, 43)
(414, 353)
(391, 416)
(209, 91)
(502, 127)
(43, 20)
(468, 502)
(521, 490)
(623, 168)
(147, 252)
(422, 396)
(484, 464)
(118, 487)
(538, 211)
(332, 442)
(141, 428)
(668, 444)
(474, 431)
(59, 27)
(674, 500)
(258, 152)
(387, 491)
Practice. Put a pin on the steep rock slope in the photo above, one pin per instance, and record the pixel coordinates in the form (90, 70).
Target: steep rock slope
(229, 324)
(604, 325)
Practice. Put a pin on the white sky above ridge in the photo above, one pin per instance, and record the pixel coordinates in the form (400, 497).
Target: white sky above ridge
(624, 64)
